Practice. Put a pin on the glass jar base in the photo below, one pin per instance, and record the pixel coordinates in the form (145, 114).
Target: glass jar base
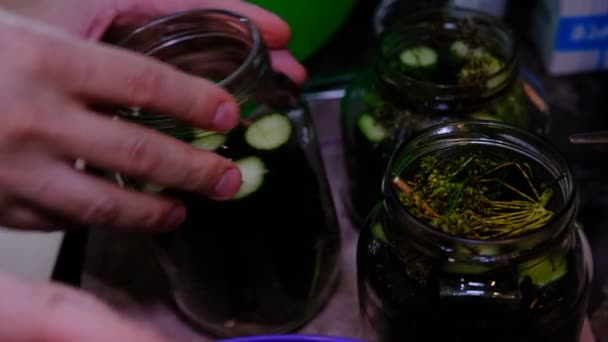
(232, 328)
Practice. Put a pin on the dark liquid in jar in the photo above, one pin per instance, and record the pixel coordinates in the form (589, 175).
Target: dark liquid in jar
(397, 307)
(265, 262)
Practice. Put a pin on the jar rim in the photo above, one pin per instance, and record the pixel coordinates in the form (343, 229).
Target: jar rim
(254, 33)
(550, 229)
(451, 13)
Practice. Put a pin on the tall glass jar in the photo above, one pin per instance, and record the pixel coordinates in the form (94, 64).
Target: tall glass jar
(266, 261)
(436, 65)
(512, 264)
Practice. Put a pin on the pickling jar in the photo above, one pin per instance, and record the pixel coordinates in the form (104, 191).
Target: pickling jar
(433, 66)
(511, 265)
(267, 260)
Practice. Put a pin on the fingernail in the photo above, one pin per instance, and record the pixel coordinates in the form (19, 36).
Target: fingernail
(175, 218)
(229, 184)
(226, 117)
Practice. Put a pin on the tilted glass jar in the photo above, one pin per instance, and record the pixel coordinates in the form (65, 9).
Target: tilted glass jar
(419, 280)
(267, 261)
(434, 66)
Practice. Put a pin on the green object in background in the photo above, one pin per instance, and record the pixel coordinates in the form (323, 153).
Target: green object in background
(312, 22)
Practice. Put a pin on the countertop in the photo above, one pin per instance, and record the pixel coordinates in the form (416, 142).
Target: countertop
(119, 268)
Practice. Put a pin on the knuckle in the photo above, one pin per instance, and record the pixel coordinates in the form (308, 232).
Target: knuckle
(143, 87)
(36, 62)
(205, 172)
(140, 156)
(155, 216)
(55, 298)
(197, 106)
(45, 184)
(24, 126)
(102, 211)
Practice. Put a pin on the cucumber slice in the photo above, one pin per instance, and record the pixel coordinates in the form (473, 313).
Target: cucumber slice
(469, 267)
(252, 171)
(269, 132)
(460, 49)
(373, 131)
(488, 250)
(463, 50)
(544, 270)
(209, 140)
(482, 250)
(485, 65)
(378, 233)
(152, 188)
(419, 57)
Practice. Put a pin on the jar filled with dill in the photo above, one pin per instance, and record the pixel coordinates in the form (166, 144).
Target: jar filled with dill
(475, 239)
(433, 66)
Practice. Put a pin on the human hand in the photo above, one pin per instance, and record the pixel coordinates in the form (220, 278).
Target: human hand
(49, 80)
(55, 313)
(91, 19)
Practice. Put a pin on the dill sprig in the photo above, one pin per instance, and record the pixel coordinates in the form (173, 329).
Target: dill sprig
(476, 197)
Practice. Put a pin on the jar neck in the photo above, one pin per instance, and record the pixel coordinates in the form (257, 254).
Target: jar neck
(408, 231)
(446, 25)
(218, 45)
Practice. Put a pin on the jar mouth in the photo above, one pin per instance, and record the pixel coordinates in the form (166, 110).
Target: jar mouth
(427, 142)
(411, 29)
(167, 30)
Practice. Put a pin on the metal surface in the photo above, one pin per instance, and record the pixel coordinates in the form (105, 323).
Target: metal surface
(590, 138)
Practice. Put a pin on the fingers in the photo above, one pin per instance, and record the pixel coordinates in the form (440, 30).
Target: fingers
(94, 202)
(284, 62)
(147, 155)
(115, 76)
(48, 312)
(23, 217)
(275, 31)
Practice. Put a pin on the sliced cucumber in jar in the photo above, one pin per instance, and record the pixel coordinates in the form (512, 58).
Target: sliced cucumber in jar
(482, 67)
(544, 270)
(460, 49)
(378, 233)
(269, 132)
(208, 140)
(419, 57)
(471, 267)
(464, 51)
(372, 129)
(252, 172)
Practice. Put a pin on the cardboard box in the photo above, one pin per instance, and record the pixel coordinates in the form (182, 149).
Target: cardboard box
(572, 35)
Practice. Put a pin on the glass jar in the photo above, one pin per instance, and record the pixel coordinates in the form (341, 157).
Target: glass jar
(387, 12)
(266, 261)
(511, 264)
(435, 66)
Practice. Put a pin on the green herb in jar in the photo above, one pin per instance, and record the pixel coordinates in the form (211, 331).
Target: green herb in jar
(475, 196)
